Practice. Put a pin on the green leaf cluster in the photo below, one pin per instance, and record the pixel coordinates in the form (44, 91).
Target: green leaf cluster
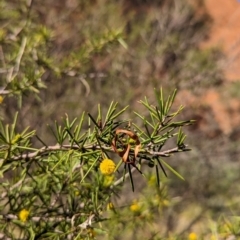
(62, 186)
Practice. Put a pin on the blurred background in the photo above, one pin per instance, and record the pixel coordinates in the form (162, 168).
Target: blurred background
(96, 51)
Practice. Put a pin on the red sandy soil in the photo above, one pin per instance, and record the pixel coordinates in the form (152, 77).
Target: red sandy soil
(224, 33)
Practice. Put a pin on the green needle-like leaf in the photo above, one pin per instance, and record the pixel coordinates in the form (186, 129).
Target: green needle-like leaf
(172, 170)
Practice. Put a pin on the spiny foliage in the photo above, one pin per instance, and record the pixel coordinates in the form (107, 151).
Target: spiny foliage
(62, 187)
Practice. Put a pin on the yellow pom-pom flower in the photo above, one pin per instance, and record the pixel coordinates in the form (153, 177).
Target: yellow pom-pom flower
(192, 236)
(135, 207)
(107, 167)
(23, 215)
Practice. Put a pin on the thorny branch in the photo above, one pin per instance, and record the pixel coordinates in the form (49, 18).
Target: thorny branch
(47, 150)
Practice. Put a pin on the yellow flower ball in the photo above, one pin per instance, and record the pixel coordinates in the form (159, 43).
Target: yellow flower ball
(135, 207)
(23, 215)
(192, 236)
(107, 167)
